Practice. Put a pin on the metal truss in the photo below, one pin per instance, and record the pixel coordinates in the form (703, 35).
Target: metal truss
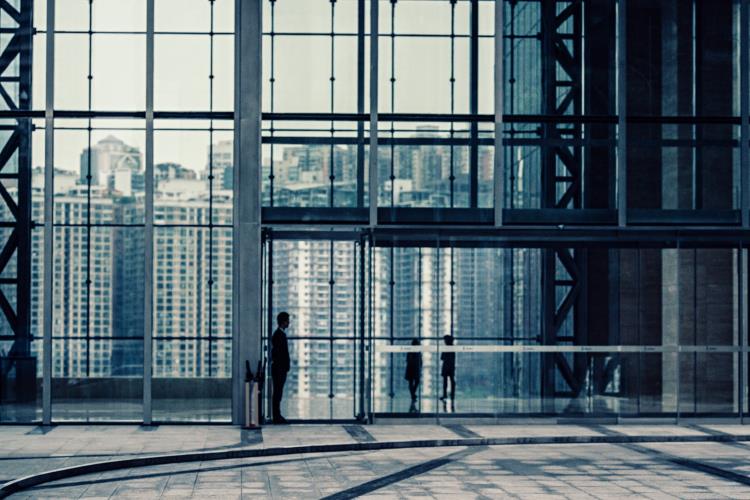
(15, 178)
(561, 188)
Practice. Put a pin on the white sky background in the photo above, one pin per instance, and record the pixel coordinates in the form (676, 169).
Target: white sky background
(302, 66)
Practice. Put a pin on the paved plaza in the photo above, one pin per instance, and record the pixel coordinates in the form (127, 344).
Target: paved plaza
(670, 468)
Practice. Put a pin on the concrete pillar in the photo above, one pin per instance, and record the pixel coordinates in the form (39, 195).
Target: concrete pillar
(246, 271)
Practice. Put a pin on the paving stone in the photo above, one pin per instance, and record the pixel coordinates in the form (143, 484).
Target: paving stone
(524, 471)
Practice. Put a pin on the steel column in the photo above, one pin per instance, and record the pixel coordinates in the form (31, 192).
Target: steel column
(745, 112)
(561, 184)
(499, 167)
(49, 212)
(15, 168)
(373, 156)
(360, 102)
(148, 311)
(622, 110)
(361, 414)
(474, 105)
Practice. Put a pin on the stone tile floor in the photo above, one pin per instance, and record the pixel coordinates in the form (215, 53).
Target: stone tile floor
(654, 470)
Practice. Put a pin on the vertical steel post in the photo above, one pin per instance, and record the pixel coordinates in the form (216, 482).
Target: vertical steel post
(499, 167)
(148, 313)
(744, 113)
(361, 291)
(622, 106)
(474, 106)
(741, 362)
(49, 211)
(373, 156)
(360, 103)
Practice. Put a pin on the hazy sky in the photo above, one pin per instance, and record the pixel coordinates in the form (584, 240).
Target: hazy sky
(302, 65)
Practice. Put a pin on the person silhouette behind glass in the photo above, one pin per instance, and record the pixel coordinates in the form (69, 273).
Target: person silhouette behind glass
(448, 371)
(279, 364)
(413, 374)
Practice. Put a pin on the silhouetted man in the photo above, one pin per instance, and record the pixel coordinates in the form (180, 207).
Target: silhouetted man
(413, 374)
(279, 364)
(449, 370)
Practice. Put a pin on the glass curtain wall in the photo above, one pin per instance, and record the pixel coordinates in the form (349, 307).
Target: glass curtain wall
(102, 128)
(143, 163)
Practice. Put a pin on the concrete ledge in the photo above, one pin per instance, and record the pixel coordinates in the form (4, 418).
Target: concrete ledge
(128, 463)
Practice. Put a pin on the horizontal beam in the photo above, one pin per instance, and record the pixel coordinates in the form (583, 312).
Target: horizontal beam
(469, 217)
(385, 117)
(602, 349)
(564, 236)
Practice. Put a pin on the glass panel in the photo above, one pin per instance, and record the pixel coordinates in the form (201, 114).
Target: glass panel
(708, 384)
(181, 277)
(693, 64)
(72, 15)
(223, 16)
(343, 292)
(119, 15)
(302, 78)
(427, 165)
(303, 17)
(183, 15)
(98, 308)
(181, 71)
(223, 72)
(119, 72)
(39, 65)
(192, 381)
(102, 394)
(71, 71)
(181, 188)
(301, 175)
(344, 378)
(486, 173)
(422, 63)
(683, 167)
(114, 161)
(314, 281)
(40, 15)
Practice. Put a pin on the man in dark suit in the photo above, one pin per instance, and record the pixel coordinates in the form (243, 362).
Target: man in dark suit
(279, 364)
